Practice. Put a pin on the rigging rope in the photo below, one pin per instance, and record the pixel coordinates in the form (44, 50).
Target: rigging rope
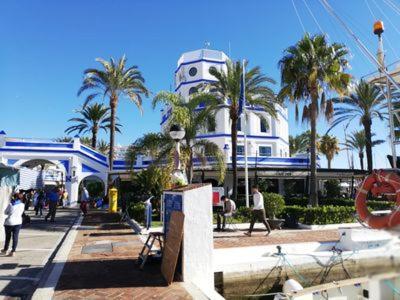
(298, 17)
(392, 5)
(360, 44)
(312, 15)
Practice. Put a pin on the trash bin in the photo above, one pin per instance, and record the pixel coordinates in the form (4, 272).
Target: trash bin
(113, 200)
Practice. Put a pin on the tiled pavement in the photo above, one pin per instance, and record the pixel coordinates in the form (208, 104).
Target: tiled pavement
(111, 275)
(107, 269)
(20, 275)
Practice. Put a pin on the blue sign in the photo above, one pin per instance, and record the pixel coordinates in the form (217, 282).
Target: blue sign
(172, 202)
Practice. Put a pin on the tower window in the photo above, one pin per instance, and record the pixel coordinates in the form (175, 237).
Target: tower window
(192, 90)
(193, 71)
(212, 69)
(240, 150)
(265, 151)
(263, 125)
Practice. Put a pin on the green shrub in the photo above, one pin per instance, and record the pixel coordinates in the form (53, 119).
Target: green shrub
(273, 204)
(243, 214)
(321, 215)
(372, 204)
(332, 188)
(136, 211)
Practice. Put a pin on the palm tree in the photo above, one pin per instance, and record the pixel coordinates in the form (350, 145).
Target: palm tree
(64, 139)
(226, 90)
(308, 70)
(364, 104)
(85, 140)
(193, 120)
(115, 79)
(103, 146)
(301, 143)
(93, 118)
(357, 141)
(329, 146)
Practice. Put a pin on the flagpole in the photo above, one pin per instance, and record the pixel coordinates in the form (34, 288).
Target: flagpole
(246, 170)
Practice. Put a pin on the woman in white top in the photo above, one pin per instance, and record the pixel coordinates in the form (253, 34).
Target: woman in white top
(13, 223)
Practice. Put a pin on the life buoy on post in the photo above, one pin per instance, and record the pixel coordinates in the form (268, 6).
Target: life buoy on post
(379, 182)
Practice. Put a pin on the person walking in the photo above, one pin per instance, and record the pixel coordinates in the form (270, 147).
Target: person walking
(258, 212)
(84, 200)
(229, 209)
(52, 197)
(40, 202)
(13, 223)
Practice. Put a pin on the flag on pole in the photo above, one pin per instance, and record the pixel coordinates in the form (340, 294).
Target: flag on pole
(242, 97)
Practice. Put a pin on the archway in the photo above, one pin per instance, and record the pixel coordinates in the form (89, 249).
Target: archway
(95, 186)
(41, 173)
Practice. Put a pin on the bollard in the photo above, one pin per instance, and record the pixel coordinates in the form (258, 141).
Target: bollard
(113, 200)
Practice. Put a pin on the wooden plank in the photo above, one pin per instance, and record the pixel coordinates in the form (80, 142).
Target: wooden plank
(172, 246)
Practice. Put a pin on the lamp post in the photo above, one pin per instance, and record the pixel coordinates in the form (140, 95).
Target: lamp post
(177, 133)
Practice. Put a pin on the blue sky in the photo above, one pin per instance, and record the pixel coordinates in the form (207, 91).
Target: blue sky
(46, 45)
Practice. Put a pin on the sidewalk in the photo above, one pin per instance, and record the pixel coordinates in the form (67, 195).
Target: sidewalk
(20, 275)
(102, 265)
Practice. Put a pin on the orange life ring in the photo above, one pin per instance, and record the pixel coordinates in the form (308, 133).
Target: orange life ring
(377, 183)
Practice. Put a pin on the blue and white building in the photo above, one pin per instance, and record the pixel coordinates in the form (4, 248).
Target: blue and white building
(70, 164)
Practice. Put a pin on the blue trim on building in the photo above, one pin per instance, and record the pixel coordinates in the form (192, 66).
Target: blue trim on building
(214, 135)
(55, 151)
(88, 169)
(221, 62)
(193, 81)
(42, 145)
(94, 153)
(11, 162)
(65, 163)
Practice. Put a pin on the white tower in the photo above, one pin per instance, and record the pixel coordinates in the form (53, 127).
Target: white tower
(193, 68)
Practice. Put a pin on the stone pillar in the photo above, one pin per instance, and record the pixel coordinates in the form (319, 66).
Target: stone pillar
(75, 177)
(195, 201)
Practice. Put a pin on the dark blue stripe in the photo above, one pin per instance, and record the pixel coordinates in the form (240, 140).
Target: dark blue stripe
(193, 81)
(94, 153)
(213, 135)
(54, 151)
(199, 60)
(32, 144)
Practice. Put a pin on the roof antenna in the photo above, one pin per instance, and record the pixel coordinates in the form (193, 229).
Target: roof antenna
(207, 44)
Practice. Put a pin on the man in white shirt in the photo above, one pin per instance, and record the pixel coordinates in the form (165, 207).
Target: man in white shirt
(229, 209)
(258, 213)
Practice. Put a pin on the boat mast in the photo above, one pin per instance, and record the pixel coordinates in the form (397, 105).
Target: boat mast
(378, 30)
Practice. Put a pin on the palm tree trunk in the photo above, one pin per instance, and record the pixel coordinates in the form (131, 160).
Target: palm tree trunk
(94, 137)
(313, 152)
(368, 143)
(329, 163)
(361, 156)
(234, 156)
(113, 107)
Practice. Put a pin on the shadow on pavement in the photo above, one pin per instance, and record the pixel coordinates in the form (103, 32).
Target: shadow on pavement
(109, 274)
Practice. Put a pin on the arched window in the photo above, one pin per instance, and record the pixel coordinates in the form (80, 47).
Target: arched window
(192, 90)
(263, 125)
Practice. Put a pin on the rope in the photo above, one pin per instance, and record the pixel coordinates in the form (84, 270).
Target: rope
(312, 15)
(393, 6)
(298, 17)
(390, 284)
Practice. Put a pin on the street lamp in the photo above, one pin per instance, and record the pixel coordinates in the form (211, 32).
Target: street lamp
(177, 133)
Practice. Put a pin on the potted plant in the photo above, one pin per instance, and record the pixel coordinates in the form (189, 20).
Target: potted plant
(274, 205)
